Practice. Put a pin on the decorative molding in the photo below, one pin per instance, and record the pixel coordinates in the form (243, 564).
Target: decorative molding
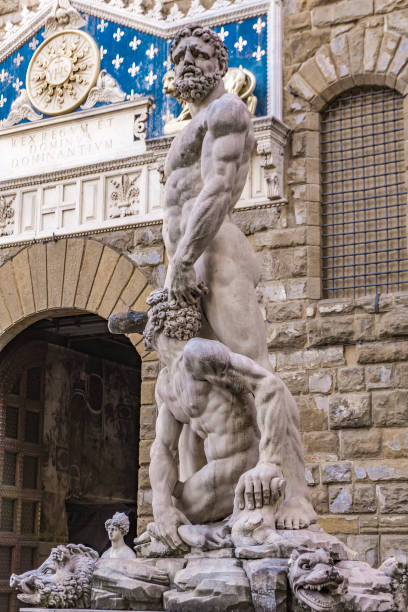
(140, 125)
(20, 109)
(7, 214)
(132, 17)
(107, 89)
(125, 196)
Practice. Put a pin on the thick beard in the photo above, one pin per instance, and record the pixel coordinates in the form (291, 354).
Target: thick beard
(196, 88)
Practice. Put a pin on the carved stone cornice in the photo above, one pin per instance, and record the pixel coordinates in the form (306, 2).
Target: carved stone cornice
(124, 16)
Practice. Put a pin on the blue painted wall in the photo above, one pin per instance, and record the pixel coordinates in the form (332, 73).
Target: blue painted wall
(138, 61)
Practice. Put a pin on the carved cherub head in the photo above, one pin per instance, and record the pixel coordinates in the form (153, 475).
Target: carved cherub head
(200, 61)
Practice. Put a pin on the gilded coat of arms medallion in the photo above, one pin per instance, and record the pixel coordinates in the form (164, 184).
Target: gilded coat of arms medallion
(62, 72)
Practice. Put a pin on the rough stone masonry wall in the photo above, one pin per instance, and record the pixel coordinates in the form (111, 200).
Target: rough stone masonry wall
(346, 363)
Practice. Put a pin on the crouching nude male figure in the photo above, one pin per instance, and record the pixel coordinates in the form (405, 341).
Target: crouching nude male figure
(238, 408)
(205, 171)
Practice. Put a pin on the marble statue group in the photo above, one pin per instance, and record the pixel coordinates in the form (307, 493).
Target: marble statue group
(232, 514)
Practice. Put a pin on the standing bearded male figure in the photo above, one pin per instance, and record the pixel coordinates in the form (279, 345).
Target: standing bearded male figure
(210, 259)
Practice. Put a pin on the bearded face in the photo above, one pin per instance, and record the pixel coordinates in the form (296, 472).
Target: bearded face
(197, 69)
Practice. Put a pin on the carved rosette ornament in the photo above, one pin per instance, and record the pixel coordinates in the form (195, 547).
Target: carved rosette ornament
(62, 72)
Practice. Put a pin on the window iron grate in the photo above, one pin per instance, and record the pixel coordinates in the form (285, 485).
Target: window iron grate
(364, 247)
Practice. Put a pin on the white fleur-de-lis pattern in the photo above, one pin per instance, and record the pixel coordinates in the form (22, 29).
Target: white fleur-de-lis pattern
(138, 62)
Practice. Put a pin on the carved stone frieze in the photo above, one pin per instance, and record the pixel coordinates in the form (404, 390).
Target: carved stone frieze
(124, 196)
(107, 89)
(6, 214)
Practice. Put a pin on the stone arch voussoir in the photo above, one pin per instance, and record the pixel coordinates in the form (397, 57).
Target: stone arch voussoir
(362, 56)
(70, 274)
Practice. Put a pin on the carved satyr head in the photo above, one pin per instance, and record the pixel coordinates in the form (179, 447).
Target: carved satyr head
(315, 580)
(200, 61)
(62, 581)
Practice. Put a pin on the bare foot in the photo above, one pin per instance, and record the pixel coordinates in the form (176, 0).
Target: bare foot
(295, 513)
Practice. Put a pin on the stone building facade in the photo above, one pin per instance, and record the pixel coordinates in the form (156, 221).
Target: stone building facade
(335, 308)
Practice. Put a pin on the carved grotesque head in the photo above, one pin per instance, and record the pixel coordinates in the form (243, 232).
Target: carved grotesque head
(315, 580)
(62, 581)
(169, 319)
(200, 61)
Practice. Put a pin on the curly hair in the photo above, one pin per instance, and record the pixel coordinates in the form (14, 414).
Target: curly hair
(171, 320)
(119, 520)
(208, 36)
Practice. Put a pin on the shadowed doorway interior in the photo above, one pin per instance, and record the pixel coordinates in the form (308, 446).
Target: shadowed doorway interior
(69, 431)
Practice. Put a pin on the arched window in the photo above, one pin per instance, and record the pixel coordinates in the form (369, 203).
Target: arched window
(364, 222)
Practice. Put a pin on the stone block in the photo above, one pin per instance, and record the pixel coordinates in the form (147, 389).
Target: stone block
(401, 56)
(295, 381)
(284, 311)
(395, 443)
(400, 375)
(356, 47)
(320, 499)
(298, 21)
(55, 271)
(290, 360)
(147, 392)
(330, 331)
(23, 280)
(350, 378)
(150, 369)
(106, 267)
(338, 524)
(341, 11)
(390, 408)
(380, 352)
(364, 330)
(341, 499)
(148, 416)
(378, 377)
(336, 472)
(144, 502)
(272, 292)
(294, 236)
(381, 470)
(393, 523)
(360, 443)
(312, 474)
(312, 74)
(388, 45)
(291, 334)
(120, 278)
(340, 53)
(75, 248)
(144, 451)
(148, 257)
(134, 289)
(385, 6)
(366, 546)
(349, 410)
(320, 382)
(394, 323)
(322, 444)
(269, 584)
(9, 291)
(333, 307)
(364, 498)
(392, 546)
(372, 42)
(143, 481)
(90, 262)
(313, 413)
(392, 498)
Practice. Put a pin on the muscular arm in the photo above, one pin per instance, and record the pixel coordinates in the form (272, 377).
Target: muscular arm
(222, 154)
(163, 467)
(163, 478)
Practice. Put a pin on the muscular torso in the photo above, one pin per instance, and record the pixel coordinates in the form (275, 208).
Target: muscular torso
(188, 157)
(224, 420)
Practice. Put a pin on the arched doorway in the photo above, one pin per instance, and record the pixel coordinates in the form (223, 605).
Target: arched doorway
(69, 431)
